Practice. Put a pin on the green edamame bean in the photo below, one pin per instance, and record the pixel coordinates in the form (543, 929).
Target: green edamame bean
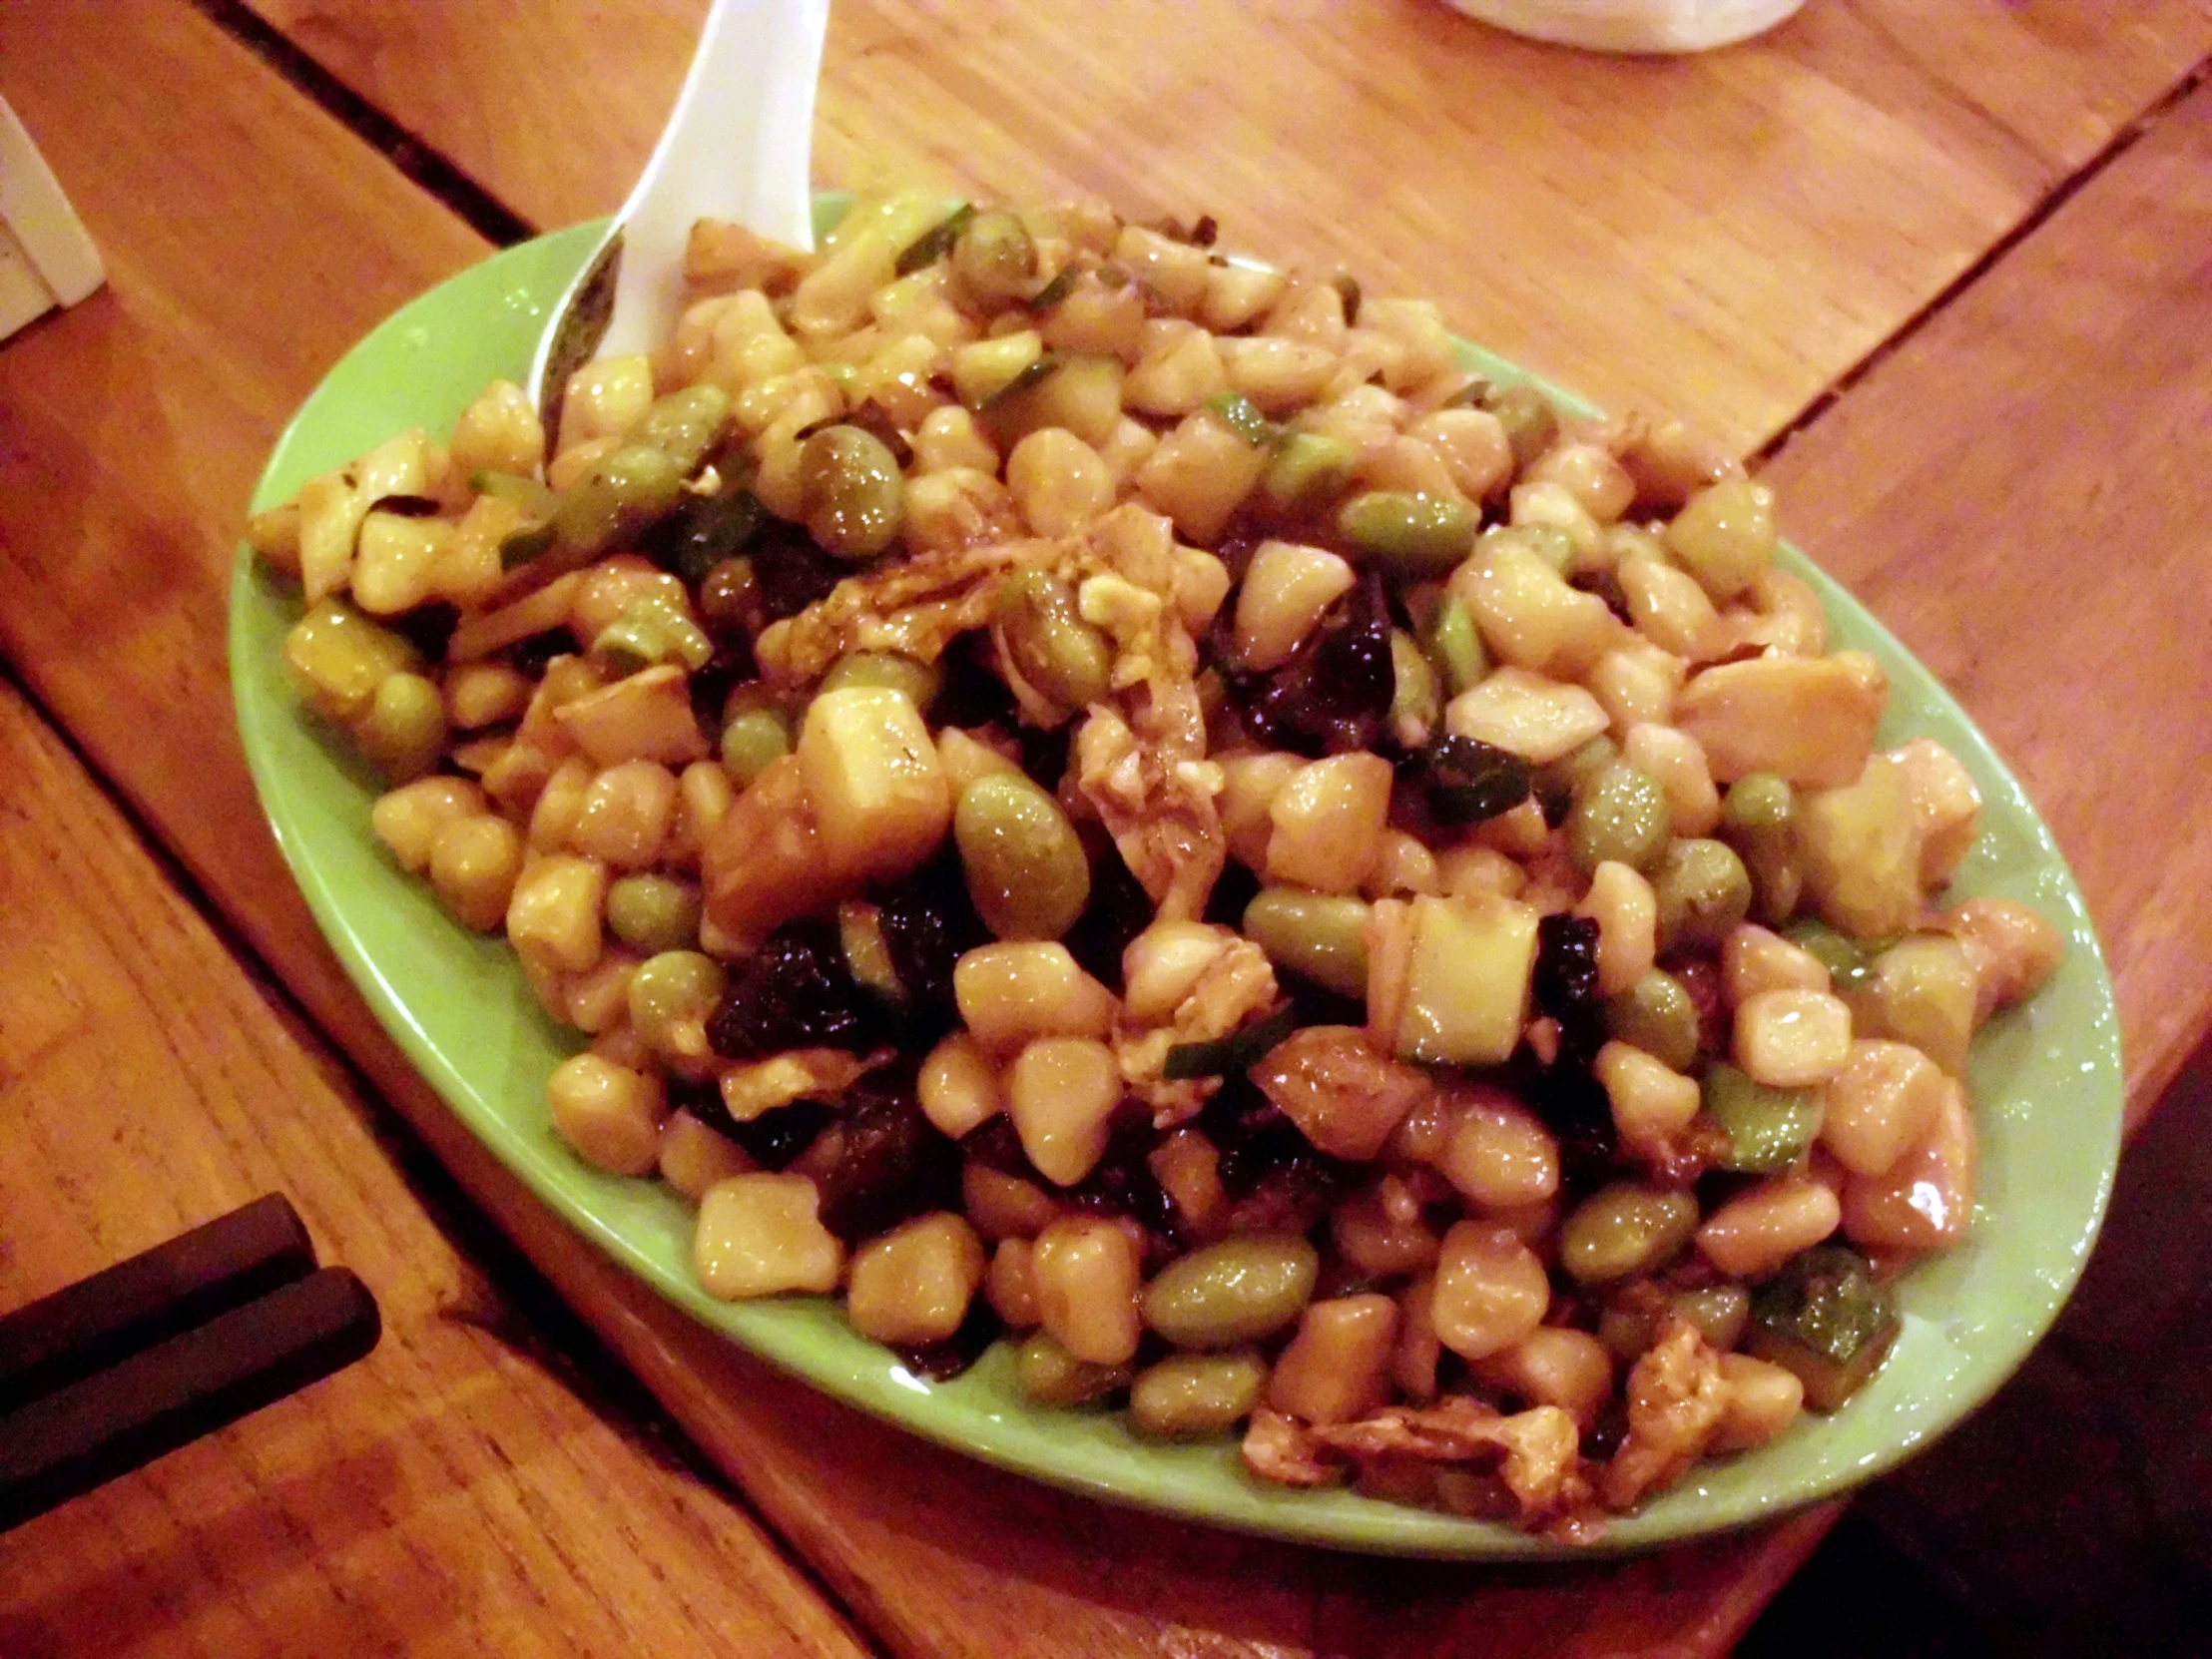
(617, 497)
(671, 991)
(751, 738)
(654, 913)
(1558, 783)
(1062, 657)
(1623, 1229)
(1322, 935)
(921, 681)
(403, 729)
(1307, 469)
(1620, 813)
(1416, 704)
(1190, 1397)
(1025, 865)
(1656, 1016)
(851, 492)
(1530, 422)
(1849, 964)
(1703, 891)
(1420, 535)
(1049, 1374)
(1455, 646)
(994, 256)
(1720, 1312)
(1767, 1128)
(1238, 1290)
(1759, 820)
(684, 425)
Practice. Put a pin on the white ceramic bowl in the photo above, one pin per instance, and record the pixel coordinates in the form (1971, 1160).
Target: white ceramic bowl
(1634, 25)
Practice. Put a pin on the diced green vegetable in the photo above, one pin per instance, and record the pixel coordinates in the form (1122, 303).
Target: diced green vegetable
(1307, 470)
(1322, 935)
(1828, 1319)
(1455, 646)
(1417, 535)
(1767, 1128)
(531, 496)
(1243, 418)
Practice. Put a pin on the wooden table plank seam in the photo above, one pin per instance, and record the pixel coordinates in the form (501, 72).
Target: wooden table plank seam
(2121, 142)
(416, 157)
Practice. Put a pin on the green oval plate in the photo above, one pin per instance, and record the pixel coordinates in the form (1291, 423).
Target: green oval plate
(2045, 1078)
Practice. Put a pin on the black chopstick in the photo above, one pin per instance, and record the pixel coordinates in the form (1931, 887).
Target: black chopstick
(173, 1286)
(138, 1386)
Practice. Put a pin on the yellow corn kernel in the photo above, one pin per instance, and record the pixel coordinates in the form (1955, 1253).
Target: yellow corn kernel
(759, 1234)
(913, 1285)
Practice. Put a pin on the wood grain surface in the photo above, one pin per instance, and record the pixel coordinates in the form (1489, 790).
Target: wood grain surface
(131, 429)
(2020, 492)
(448, 1496)
(1722, 236)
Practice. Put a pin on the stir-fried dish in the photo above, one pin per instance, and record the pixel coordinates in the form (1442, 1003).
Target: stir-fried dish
(1089, 792)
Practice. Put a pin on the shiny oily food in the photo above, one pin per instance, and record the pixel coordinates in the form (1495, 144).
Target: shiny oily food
(1085, 792)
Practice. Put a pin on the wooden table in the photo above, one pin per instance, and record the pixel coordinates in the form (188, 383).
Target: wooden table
(1941, 269)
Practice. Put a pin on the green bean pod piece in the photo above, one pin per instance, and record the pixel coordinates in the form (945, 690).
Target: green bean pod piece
(1656, 1016)
(1321, 936)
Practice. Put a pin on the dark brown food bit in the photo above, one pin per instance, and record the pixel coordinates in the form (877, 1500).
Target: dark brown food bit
(534, 655)
(792, 572)
(796, 991)
(894, 1165)
(1565, 985)
(1334, 695)
(942, 1361)
(1119, 909)
(928, 922)
(427, 627)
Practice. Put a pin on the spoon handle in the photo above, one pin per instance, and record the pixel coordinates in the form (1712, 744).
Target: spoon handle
(737, 146)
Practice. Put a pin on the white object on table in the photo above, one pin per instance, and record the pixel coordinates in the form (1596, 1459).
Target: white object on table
(739, 146)
(1634, 25)
(46, 260)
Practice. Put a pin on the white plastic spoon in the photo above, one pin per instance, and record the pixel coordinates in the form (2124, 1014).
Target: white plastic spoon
(736, 146)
